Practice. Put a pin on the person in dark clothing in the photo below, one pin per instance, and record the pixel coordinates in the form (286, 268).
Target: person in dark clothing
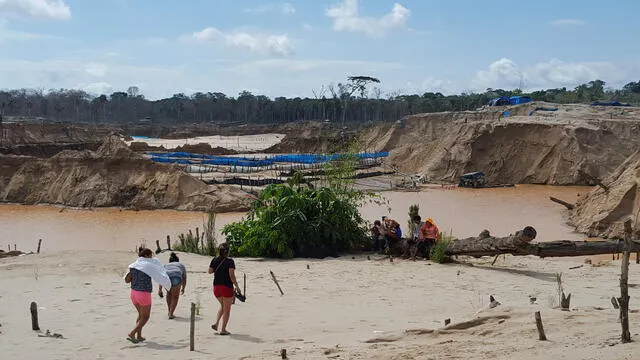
(223, 269)
(377, 237)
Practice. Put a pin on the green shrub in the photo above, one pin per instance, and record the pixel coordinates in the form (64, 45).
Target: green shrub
(438, 252)
(199, 243)
(287, 222)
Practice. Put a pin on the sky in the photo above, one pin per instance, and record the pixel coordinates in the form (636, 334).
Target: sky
(299, 47)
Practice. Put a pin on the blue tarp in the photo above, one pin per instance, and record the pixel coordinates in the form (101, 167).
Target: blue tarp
(512, 100)
(186, 158)
(608, 103)
(516, 100)
(499, 101)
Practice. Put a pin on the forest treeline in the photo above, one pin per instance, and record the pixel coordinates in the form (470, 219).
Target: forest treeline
(355, 100)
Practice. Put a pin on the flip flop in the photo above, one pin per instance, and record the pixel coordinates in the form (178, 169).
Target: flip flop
(133, 340)
(223, 333)
(141, 339)
(214, 327)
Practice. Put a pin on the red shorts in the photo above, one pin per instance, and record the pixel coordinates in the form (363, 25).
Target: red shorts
(140, 298)
(222, 291)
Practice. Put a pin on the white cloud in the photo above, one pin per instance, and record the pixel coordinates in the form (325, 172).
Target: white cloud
(97, 88)
(7, 34)
(346, 17)
(285, 8)
(288, 8)
(45, 9)
(568, 22)
(280, 45)
(96, 69)
(505, 73)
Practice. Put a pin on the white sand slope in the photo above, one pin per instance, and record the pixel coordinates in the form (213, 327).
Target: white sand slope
(238, 143)
(329, 310)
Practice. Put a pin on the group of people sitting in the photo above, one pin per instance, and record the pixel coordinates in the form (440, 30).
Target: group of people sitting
(387, 233)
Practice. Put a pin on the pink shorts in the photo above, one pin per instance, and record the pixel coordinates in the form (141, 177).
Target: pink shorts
(140, 298)
(222, 291)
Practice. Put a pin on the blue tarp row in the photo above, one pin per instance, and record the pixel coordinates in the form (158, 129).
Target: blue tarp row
(171, 161)
(608, 103)
(244, 161)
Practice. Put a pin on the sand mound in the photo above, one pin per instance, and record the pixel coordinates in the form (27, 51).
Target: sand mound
(602, 213)
(112, 176)
(520, 149)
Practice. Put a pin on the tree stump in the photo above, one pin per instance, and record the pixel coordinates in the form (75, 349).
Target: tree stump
(192, 328)
(35, 326)
(541, 334)
(623, 300)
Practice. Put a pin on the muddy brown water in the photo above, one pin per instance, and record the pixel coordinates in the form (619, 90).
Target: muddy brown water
(464, 212)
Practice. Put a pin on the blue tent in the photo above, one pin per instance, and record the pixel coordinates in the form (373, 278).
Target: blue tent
(499, 101)
(516, 100)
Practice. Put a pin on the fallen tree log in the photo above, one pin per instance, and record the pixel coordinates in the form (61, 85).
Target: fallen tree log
(520, 244)
(568, 205)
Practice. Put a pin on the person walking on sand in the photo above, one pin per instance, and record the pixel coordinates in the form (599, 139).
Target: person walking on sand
(140, 274)
(178, 276)
(223, 269)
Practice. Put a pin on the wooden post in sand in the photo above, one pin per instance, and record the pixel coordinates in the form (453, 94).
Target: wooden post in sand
(623, 300)
(273, 276)
(168, 242)
(541, 334)
(39, 243)
(158, 250)
(192, 329)
(34, 316)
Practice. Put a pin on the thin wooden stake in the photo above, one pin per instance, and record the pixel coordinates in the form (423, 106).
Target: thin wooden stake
(158, 249)
(39, 243)
(541, 334)
(34, 316)
(273, 276)
(244, 284)
(169, 242)
(623, 300)
(192, 328)
(15, 247)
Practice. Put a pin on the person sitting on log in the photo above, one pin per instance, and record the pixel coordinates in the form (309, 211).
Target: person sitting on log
(419, 244)
(377, 237)
(392, 232)
(430, 232)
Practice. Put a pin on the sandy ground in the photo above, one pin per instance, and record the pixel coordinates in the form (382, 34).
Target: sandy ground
(328, 311)
(238, 143)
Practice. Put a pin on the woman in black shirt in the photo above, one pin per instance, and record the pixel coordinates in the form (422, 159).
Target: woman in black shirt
(224, 280)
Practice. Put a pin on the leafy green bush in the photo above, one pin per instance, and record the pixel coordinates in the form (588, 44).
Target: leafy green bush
(287, 222)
